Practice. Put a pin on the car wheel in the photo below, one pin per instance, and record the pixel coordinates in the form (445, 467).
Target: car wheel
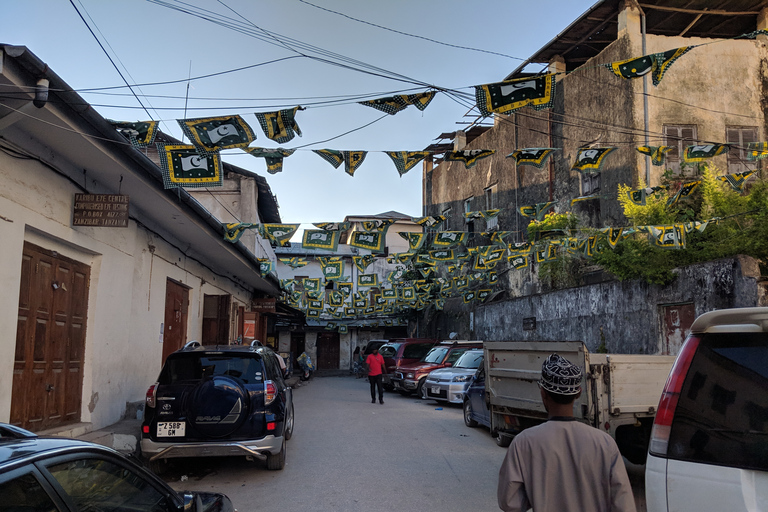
(288, 432)
(501, 440)
(468, 421)
(276, 462)
(219, 406)
(420, 387)
(157, 466)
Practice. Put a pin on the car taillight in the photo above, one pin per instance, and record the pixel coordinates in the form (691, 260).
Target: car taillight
(662, 423)
(271, 425)
(152, 395)
(270, 392)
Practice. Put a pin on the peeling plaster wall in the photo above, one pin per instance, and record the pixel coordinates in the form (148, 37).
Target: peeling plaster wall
(622, 314)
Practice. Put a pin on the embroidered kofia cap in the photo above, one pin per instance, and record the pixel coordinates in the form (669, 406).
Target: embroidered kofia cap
(560, 376)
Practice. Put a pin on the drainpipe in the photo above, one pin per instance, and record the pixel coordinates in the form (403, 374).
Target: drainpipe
(645, 100)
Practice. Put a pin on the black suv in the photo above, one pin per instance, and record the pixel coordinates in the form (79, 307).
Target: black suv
(216, 401)
(59, 474)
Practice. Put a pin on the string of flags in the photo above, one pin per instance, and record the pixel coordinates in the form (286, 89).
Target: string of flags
(198, 164)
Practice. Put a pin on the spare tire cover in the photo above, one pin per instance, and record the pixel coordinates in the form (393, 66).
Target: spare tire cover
(219, 406)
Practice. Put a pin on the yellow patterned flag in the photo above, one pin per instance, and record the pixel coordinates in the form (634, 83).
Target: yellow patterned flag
(279, 126)
(508, 96)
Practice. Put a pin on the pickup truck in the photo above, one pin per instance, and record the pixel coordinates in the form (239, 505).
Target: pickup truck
(620, 392)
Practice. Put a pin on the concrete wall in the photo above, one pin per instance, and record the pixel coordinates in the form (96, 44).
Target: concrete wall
(622, 315)
(126, 303)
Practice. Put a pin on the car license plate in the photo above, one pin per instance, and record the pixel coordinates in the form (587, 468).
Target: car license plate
(171, 429)
(435, 390)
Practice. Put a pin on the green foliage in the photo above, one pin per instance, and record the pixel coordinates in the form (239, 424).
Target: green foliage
(553, 224)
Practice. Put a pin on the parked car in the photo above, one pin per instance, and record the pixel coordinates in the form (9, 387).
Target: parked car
(216, 401)
(411, 377)
(449, 384)
(708, 447)
(55, 473)
(401, 351)
(372, 344)
(476, 410)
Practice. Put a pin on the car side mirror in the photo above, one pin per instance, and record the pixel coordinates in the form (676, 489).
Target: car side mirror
(192, 502)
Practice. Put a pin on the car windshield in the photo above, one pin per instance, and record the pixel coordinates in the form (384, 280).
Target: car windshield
(436, 355)
(388, 350)
(195, 367)
(470, 360)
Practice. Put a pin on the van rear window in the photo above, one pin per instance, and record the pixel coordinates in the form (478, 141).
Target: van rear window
(416, 350)
(722, 415)
(195, 367)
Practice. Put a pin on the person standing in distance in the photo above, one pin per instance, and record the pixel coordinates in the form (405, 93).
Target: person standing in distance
(375, 364)
(563, 464)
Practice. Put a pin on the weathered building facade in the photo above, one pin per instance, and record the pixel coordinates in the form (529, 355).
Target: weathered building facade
(714, 93)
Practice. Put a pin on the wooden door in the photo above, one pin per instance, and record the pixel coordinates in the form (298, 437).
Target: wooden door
(298, 345)
(176, 311)
(216, 319)
(328, 351)
(677, 320)
(50, 340)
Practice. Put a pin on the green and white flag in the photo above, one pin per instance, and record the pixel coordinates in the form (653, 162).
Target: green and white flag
(233, 231)
(632, 68)
(141, 133)
(315, 304)
(408, 293)
(360, 303)
(460, 282)
(701, 152)
(590, 159)
(468, 156)
(510, 95)
(389, 293)
(663, 60)
(273, 157)
(639, 196)
(367, 280)
(469, 296)
(668, 237)
(333, 268)
(294, 262)
(377, 225)
(345, 287)
(482, 295)
(371, 240)
(449, 238)
(320, 239)
(493, 278)
(333, 226)
(343, 329)
(537, 210)
(266, 266)
(335, 299)
(443, 255)
(311, 284)
(518, 261)
(394, 104)
(415, 240)
(686, 190)
(313, 313)
(657, 153)
(536, 157)
(406, 160)
(183, 166)
(396, 275)
(362, 262)
(278, 234)
(212, 134)
(737, 180)
(279, 126)
(430, 221)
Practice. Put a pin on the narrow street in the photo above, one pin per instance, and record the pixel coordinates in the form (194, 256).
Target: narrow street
(348, 454)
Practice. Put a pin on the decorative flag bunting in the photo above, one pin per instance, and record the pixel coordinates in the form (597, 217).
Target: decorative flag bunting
(212, 134)
(408, 293)
(614, 235)
(426, 272)
(389, 293)
(333, 157)
(737, 180)
(345, 288)
(469, 156)
(395, 275)
(333, 268)
(273, 157)
(371, 240)
(313, 313)
(415, 240)
(485, 214)
(362, 262)
(638, 196)
(685, 190)
(449, 238)
(429, 222)
(442, 255)
(584, 198)
(333, 226)
(406, 160)
(590, 159)
(311, 284)
(279, 126)
(377, 225)
(141, 133)
(233, 231)
(353, 160)
(657, 153)
(663, 60)
(497, 237)
(394, 104)
(536, 157)
(668, 237)
(367, 280)
(493, 278)
(460, 282)
(266, 266)
(537, 210)
(508, 96)
(482, 295)
(315, 304)
(294, 262)
(320, 239)
(468, 296)
(183, 166)
(656, 64)
(700, 152)
(757, 151)
(278, 234)
(518, 261)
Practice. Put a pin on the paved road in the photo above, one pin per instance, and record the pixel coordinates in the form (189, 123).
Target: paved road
(347, 454)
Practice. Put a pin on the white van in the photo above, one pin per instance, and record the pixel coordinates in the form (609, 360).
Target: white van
(709, 443)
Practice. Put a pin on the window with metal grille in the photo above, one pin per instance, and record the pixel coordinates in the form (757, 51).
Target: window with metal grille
(590, 183)
(678, 136)
(740, 137)
(447, 214)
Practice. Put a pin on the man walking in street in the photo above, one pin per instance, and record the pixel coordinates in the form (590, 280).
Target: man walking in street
(375, 363)
(563, 465)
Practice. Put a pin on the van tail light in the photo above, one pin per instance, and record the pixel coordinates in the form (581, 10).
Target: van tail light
(662, 423)
(270, 392)
(151, 397)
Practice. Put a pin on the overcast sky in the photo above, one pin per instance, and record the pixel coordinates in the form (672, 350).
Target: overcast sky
(150, 43)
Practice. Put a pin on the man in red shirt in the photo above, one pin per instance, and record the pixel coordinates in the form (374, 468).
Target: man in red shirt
(375, 364)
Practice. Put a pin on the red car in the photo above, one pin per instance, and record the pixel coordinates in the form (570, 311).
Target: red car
(410, 377)
(401, 351)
